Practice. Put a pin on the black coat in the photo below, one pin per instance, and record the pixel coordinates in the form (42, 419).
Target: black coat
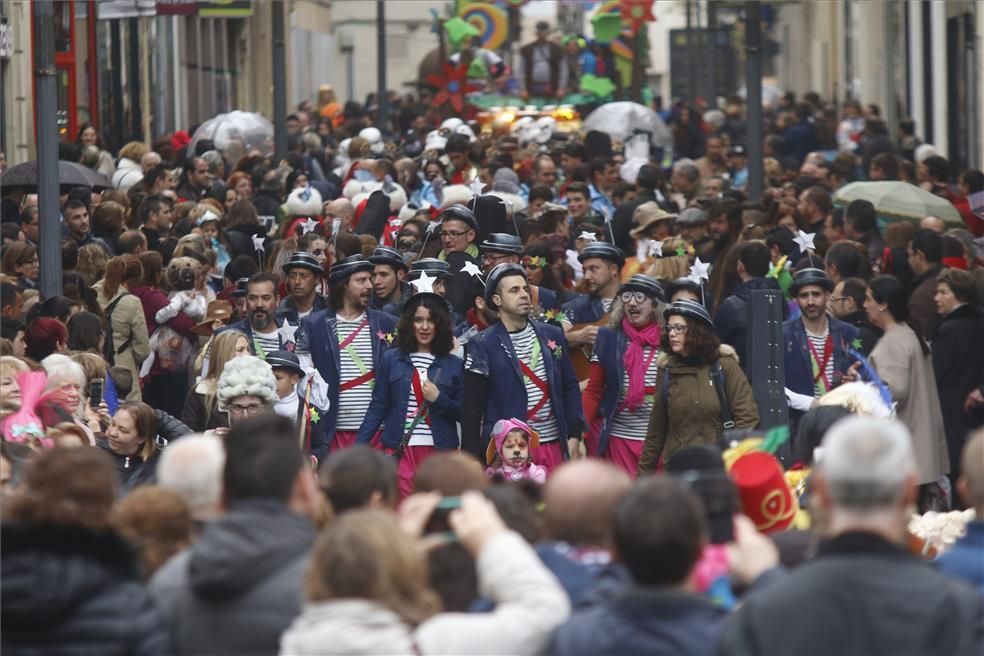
(860, 595)
(958, 362)
(731, 322)
(868, 333)
(133, 470)
(68, 590)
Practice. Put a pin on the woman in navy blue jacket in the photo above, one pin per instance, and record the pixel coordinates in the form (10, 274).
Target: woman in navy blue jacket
(418, 389)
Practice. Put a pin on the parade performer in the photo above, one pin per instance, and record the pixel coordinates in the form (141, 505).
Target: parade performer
(419, 387)
(346, 343)
(532, 354)
(623, 374)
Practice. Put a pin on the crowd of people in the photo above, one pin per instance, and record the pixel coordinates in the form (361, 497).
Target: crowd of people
(431, 386)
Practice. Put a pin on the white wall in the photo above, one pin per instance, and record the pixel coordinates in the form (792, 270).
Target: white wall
(408, 40)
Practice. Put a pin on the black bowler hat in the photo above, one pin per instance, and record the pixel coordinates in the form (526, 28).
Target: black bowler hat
(284, 359)
(501, 242)
(390, 256)
(351, 264)
(645, 284)
(689, 309)
(433, 267)
(303, 260)
(682, 283)
(496, 275)
(240, 288)
(461, 213)
(602, 250)
(811, 276)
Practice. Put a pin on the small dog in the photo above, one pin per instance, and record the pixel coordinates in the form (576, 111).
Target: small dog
(508, 453)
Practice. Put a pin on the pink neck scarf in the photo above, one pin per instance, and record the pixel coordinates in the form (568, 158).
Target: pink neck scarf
(635, 365)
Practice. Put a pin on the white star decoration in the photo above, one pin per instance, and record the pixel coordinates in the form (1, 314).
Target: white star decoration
(471, 269)
(286, 332)
(308, 226)
(209, 216)
(258, 243)
(804, 241)
(698, 271)
(655, 249)
(424, 283)
(587, 236)
(336, 223)
(477, 186)
(608, 215)
(433, 225)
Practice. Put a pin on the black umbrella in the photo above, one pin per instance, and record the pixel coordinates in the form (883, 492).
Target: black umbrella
(25, 177)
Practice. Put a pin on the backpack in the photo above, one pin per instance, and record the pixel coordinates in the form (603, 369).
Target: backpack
(109, 354)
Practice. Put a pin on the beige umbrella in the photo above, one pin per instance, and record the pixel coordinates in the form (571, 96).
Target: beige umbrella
(895, 200)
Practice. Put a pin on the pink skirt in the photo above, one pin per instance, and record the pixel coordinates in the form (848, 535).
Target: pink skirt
(549, 455)
(624, 453)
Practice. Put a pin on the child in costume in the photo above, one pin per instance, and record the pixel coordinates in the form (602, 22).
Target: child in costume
(294, 400)
(508, 453)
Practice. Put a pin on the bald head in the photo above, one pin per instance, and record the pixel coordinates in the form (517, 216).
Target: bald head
(579, 500)
(341, 208)
(933, 223)
(971, 483)
(149, 161)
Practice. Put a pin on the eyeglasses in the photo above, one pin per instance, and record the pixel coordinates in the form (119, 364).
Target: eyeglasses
(676, 328)
(251, 409)
(638, 297)
(451, 234)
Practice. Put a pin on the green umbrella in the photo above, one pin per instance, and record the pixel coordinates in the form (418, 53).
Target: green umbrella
(895, 200)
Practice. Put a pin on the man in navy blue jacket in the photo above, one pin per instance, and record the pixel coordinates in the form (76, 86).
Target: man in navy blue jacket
(346, 343)
(521, 369)
(659, 612)
(816, 345)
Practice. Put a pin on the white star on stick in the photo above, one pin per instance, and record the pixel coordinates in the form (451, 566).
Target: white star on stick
(424, 283)
(608, 215)
(308, 226)
(433, 225)
(477, 186)
(336, 223)
(698, 271)
(587, 236)
(656, 249)
(471, 269)
(286, 332)
(258, 243)
(804, 241)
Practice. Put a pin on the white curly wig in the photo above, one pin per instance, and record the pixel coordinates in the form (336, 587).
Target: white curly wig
(246, 375)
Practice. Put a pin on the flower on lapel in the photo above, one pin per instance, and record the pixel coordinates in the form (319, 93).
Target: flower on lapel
(558, 351)
(856, 343)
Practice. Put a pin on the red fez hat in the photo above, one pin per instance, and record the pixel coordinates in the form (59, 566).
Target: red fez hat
(765, 496)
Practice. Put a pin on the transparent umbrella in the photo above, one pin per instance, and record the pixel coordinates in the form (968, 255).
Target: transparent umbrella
(621, 120)
(236, 134)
